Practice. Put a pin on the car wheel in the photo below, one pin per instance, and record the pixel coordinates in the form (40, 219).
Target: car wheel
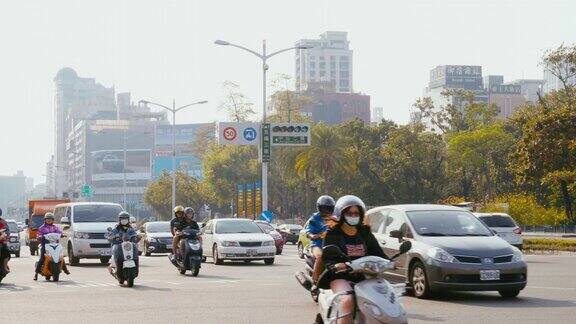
(419, 280)
(269, 261)
(300, 251)
(217, 261)
(104, 260)
(17, 254)
(146, 253)
(509, 293)
(72, 260)
(319, 319)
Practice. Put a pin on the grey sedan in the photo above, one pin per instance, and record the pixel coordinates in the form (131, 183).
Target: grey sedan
(451, 250)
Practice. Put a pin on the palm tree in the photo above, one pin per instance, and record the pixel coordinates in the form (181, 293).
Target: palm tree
(325, 158)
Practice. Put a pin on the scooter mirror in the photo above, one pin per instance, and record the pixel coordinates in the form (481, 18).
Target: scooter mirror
(405, 247)
(109, 229)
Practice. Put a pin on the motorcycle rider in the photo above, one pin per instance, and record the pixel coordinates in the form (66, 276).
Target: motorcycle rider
(355, 240)
(316, 229)
(4, 236)
(47, 228)
(117, 233)
(180, 222)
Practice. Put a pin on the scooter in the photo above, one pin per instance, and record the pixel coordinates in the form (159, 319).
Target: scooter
(53, 257)
(190, 252)
(126, 260)
(305, 277)
(377, 301)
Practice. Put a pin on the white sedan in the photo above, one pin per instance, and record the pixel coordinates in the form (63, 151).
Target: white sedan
(236, 239)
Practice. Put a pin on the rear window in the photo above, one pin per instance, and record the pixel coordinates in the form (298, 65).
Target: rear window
(498, 221)
(13, 227)
(96, 213)
(159, 227)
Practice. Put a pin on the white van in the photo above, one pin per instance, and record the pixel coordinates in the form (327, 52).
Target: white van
(85, 225)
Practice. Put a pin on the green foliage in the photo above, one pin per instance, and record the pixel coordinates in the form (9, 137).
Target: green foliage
(549, 244)
(525, 209)
(189, 192)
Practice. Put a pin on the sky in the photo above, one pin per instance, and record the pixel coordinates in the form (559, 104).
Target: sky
(160, 50)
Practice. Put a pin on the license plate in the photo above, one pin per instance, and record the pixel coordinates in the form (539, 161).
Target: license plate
(251, 252)
(486, 275)
(106, 252)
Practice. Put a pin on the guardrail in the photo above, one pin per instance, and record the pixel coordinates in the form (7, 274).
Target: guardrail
(560, 229)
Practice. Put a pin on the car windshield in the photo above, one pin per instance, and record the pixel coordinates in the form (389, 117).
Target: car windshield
(37, 221)
(498, 221)
(159, 227)
(13, 227)
(447, 223)
(265, 227)
(96, 213)
(236, 226)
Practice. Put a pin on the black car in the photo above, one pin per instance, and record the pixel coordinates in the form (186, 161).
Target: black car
(290, 232)
(157, 238)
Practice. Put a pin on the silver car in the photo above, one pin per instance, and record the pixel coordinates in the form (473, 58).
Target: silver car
(504, 226)
(451, 250)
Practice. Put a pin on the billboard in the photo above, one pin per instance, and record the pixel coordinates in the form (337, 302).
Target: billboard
(457, 76)
(188, 164)
(110, 165)
(187, 136)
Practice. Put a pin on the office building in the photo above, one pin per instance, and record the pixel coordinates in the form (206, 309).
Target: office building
(76, 98)
(329, 60)
(13, 192)
(377, 114)
(333, 108)
(529, 88)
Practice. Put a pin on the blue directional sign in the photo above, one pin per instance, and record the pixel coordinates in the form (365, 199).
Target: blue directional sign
(249, 134)
(267, 216)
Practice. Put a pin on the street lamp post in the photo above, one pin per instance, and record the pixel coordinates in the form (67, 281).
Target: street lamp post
(173, 110)
(264, 57)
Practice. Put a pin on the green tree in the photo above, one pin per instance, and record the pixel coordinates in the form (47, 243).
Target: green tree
(189, 192)
(287, 104)
(324, 159)
(481, 157)
(414, 165)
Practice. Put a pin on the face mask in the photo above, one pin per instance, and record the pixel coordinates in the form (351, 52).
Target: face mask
(352, 220)
(124, 222)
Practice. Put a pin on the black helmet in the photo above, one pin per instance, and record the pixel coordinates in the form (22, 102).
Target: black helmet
(0, 212)
(325, 204)
(189, 210)
(345, 202)
(124, 215)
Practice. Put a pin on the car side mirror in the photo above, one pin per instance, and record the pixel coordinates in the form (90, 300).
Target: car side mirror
(65, 220)
(396, 234)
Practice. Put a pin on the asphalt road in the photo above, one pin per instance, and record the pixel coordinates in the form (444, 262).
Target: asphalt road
(255, 293)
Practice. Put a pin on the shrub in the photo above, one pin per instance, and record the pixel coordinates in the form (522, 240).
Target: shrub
(525, 209)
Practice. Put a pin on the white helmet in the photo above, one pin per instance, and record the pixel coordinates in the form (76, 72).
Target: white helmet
(348, 201)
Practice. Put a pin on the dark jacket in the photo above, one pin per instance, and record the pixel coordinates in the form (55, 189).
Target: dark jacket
(182, 223)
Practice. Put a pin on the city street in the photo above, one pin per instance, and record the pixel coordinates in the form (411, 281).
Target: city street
(255, 293)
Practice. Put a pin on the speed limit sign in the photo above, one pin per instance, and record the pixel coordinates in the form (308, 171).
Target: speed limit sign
(229, 133)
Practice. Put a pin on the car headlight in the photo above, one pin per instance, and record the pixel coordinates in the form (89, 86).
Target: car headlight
(440, 255)
(267, 243)
(81, 235)
(518, 256)
(229, 243)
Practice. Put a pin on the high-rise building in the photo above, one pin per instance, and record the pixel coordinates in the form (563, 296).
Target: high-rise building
(329, 60)
(530, 88)
(76, 99)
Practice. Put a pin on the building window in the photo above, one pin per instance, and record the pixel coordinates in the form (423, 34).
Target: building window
(332, 65)
(344, 90)
(312, 65)
(344, 83)
(344, 66)
(312, 74)
(321, 58)
(312, 58)
(322, 65)
(344, 59)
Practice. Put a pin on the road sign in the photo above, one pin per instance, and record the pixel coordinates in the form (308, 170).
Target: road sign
(266, 151)
(229, 133)
(267, 216)
(238, 133)
(86, 191)
(250, 134)
(290, 134)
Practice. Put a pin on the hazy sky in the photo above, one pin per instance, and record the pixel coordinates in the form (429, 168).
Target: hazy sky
(160, 50)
